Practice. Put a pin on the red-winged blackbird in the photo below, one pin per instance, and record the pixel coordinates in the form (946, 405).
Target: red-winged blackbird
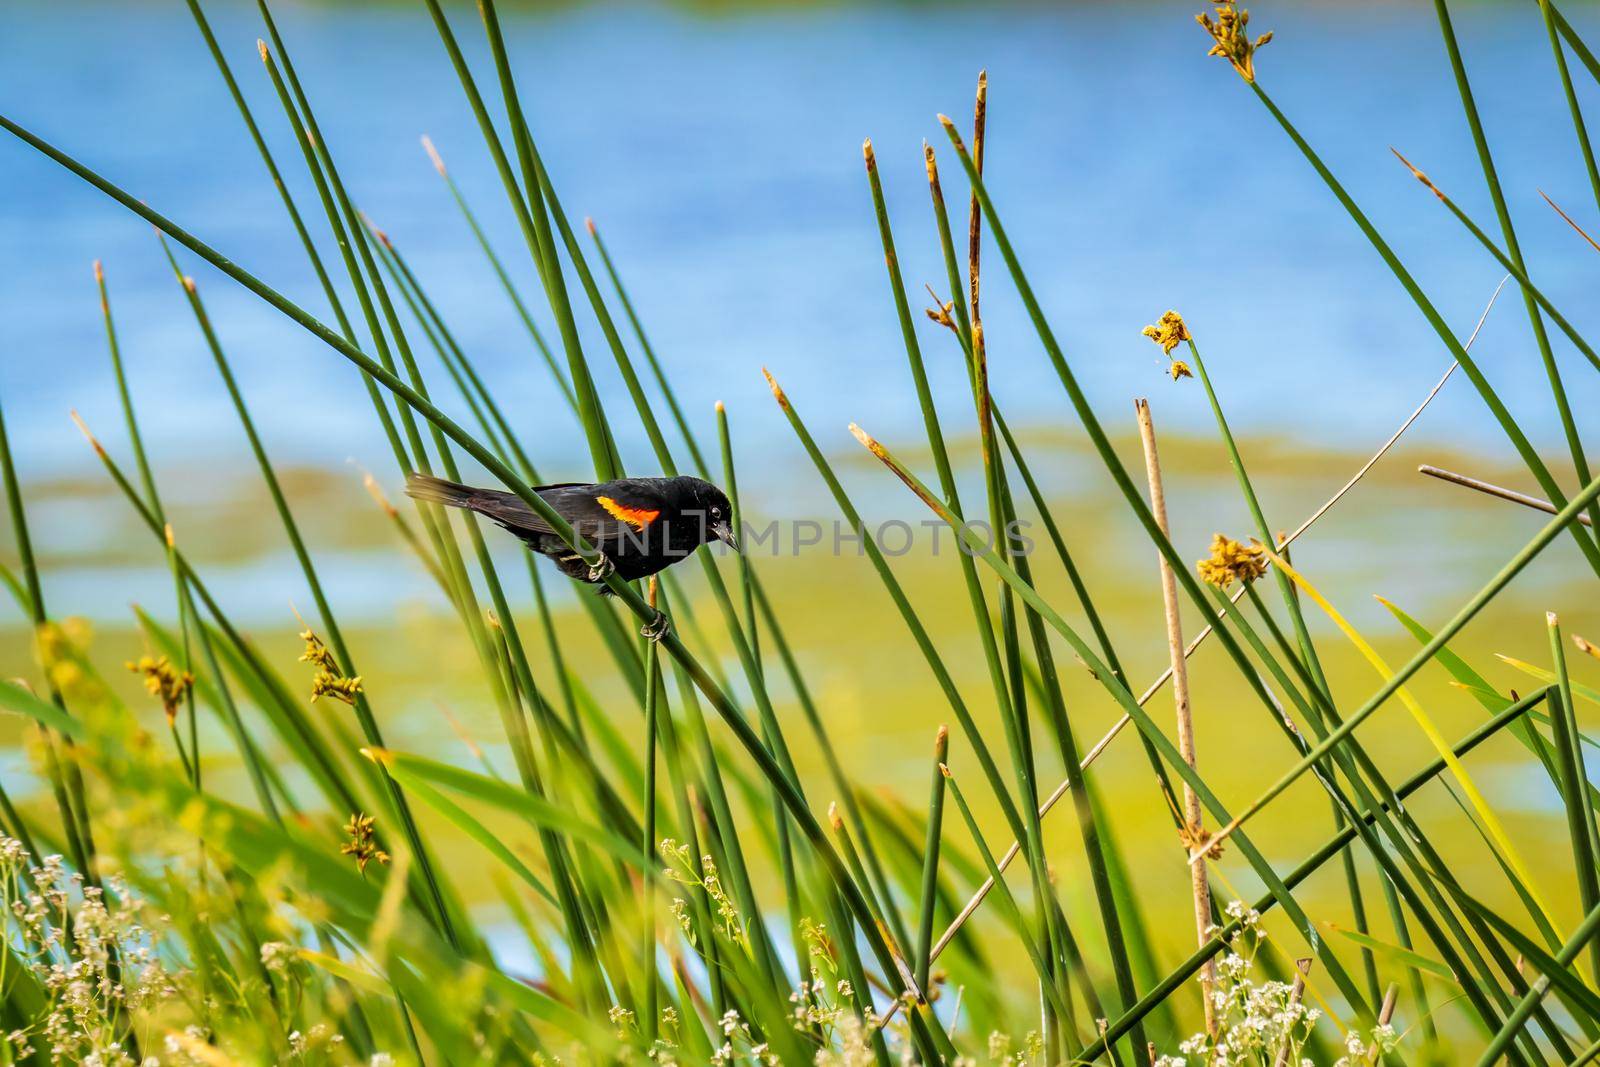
(641, 525)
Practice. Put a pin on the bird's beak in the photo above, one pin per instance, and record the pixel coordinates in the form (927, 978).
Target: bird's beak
(724, 533)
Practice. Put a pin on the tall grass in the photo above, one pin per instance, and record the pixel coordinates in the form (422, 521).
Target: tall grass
(685, 893)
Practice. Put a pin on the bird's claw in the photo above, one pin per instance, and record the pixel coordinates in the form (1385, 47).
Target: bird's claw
(601, 570)
(656, 628)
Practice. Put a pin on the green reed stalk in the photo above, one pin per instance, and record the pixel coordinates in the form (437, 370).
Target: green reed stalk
(647, 857)
(325, 282)
(786, 861)
(360, 280)
(1511, 268)
(1002, 517)
(1501, 579)
(1469, 366)
(314, 751)
(748, 654)
(540, 187)
(1578, 997)
(1406, 837)
(324, 609)
(1013, 912)
(1120, 475)
(502, 276)
(489, 418)
(191, 759)
(600, 447)
(1013, 718)
(1579, 128)
(969, 335)
(1569, 427)
(1579, 49)
(649, 352)
(248, 750)
(1102, 445)
(1340, 841)
(66, 780)
(1574, 778)
(1581, 937)
(846, 791)
(751, 666)
(897, 593)
(1119, 692)
(923, 960)
(1305, 660)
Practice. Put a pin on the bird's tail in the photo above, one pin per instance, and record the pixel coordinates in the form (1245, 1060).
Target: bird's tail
(439, 491)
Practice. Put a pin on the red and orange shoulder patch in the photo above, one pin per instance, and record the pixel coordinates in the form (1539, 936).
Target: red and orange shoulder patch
(638, 518)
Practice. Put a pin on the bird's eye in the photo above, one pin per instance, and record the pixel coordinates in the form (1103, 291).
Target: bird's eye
(715, 511)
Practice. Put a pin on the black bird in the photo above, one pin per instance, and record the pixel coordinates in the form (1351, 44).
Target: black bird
(640, 525)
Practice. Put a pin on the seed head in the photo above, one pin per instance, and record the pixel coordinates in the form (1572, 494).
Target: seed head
(1229, 39)
(777, 390)
(363, 843)
(330, 679)
(1231, 561)
(1169, 331)
(163, 681)
(341, 689)
(940, 312)
(1197, 838)
(317, 653)
(433, 155)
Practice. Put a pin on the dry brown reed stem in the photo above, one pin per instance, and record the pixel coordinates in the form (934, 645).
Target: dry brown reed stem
(980, 115)
(1385, 1013)
(1494, 490)
(1302, 968)
(1193, 822)
(980, 348)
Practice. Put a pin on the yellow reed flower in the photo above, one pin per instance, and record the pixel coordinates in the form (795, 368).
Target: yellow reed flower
(1168, 332)
(1229, 39)
(1231, 561)
(330, 680)
(163, 681)
(363, 843)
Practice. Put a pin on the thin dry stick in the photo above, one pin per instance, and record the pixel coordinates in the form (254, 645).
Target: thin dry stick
(1100, 746)
(1494, 490)
(1302, 968)
(1194, 829)
(1574, 225)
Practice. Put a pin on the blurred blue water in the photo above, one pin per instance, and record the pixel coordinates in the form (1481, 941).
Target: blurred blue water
(721, 157)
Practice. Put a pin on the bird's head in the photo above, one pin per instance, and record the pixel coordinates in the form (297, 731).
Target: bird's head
(710, 505)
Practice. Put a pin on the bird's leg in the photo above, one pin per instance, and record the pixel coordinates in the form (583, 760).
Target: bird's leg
(598, 572)
(656, 628)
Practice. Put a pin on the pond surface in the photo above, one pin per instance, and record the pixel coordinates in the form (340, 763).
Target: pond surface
(721, 156)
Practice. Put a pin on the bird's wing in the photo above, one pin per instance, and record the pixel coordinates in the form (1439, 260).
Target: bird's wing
(603, 512)
(606, 512)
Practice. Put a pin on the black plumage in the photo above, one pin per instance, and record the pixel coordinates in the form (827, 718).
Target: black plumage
(642, 525)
